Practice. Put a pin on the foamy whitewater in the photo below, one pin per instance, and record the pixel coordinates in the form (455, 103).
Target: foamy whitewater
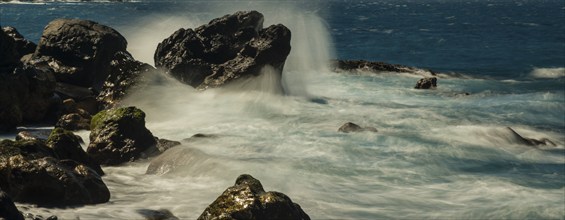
(438, 154)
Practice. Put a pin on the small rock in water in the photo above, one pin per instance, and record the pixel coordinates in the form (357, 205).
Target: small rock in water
(427, 83)
(161, 214)
(248, 200)
(352, 127)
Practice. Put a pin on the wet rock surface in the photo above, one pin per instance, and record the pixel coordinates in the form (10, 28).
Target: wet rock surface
(119, 135)
(31, 172)
(66, 145)
(225, 49)
(426, 83)
(248, 200)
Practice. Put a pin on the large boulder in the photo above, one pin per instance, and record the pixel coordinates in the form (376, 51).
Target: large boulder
(66, 145)
(248, 200)
(119, 135)
(31, 173)
(8, 51)
(225, 49)
(79, 51)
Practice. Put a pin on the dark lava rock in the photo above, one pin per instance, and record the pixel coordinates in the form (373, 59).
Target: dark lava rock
(66, 145)
(352, 127)
(79, 51)
(247, 200)
(8, 209)
(125, 74)
(119, 135)
(22, 45)
(427, 83)
(225, 49)
(8, 51)
(31, 173)
(25, 95)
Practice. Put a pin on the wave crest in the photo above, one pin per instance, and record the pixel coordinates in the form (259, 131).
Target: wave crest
(550, 73)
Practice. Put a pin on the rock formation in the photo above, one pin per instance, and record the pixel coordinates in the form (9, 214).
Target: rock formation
(227, 48)
(119, 135)
(248, 200)
(426, 83)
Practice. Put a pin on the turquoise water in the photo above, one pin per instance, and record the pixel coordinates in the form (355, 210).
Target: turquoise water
(438, 154)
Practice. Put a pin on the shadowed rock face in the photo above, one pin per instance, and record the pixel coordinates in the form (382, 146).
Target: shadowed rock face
(22, 45)
(119, 135)
(8, 209)
(247, 200)
(79, 51)
(227, 48)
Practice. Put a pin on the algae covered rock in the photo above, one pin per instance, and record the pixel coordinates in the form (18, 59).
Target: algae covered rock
(119, 135)
(248, 200)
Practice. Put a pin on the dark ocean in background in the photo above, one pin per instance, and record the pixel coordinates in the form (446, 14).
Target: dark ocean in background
(438, 154)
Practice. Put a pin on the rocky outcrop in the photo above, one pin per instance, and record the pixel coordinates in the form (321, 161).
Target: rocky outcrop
(8, 54)
(74, 122)
(8, 209)
(30, 172)
(79, 51)
(225, 49)
(352, 127)
(66, 145)
(119, 135)
(248, 200)
(426, 83)
(371, 66)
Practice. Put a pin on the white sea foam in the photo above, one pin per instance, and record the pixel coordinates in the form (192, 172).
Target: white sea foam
(551, 73)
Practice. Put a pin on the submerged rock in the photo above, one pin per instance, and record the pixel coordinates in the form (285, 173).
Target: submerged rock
(8, 209)
(352, 127)
(531, 141)
(32, 173)
(227, 48)
(248, 200)
(426, 83)
(370, 66)
(119, 135)
(161, 214)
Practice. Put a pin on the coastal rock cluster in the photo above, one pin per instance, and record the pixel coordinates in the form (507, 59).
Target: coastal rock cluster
(74, 79)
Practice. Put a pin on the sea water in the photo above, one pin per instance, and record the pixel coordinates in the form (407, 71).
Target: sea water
(445, 153)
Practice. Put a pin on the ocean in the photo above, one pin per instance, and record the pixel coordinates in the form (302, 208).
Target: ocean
(445, 153)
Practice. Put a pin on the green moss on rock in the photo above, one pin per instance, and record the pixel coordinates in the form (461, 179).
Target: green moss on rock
(116, 115)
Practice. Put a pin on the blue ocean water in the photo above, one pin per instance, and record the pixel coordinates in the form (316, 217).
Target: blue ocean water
(438, 154)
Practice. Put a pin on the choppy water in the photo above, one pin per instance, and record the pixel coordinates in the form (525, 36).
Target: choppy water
(438, 154)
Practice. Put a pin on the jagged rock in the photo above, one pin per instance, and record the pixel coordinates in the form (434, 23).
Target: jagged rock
(31, 173)
(125, 74)
(247, 200)
(8, 53)
(8, 209)
(119, 135)
(66, 145)
(427, 83)
(225, 49)
(79, 51)
(352, 127)
(34, 134)
(22, 45)
(531, 141)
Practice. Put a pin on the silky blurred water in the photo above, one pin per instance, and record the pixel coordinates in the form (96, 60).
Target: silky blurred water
(445, 153)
